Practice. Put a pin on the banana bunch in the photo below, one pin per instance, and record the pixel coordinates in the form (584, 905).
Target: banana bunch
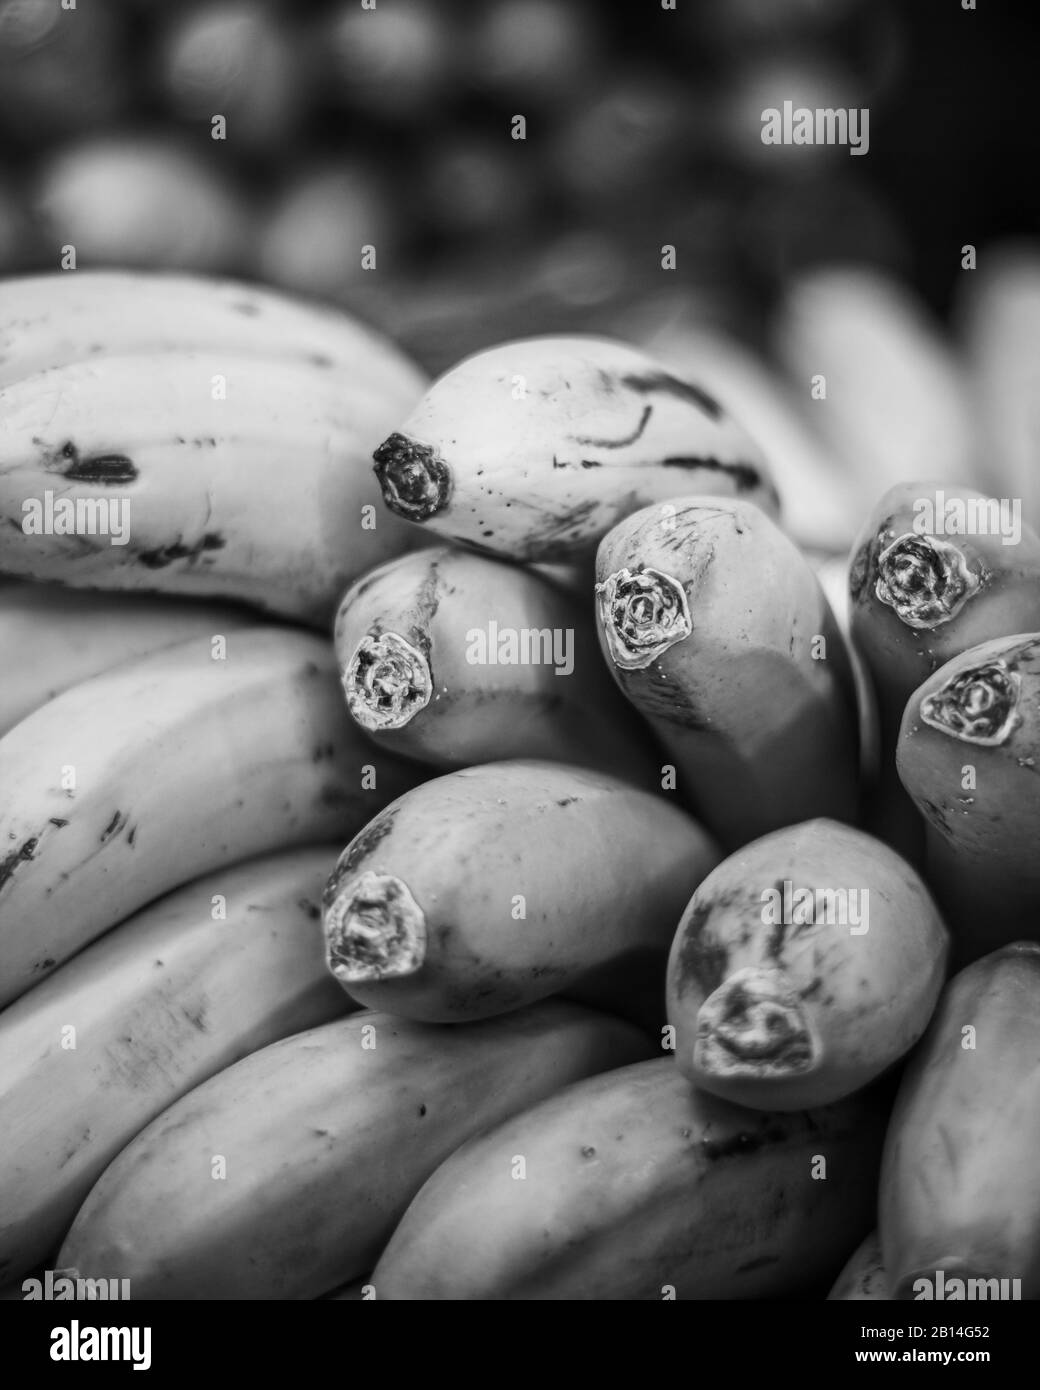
(562, 910)
(161, 434)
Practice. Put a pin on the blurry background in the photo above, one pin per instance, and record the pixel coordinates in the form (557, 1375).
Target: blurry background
(393, 127)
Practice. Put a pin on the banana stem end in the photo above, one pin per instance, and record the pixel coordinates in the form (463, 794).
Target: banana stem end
(387, 682)
(416, 483)
(374, 930)
(754, 1025)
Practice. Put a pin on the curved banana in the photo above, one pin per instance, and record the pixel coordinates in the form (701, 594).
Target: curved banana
(52, 638)
(969, 749)
(180, 991)
(534, 449)
(716, 628)
(504, 883)
(863, 1278)
(283, 1176)
(58, 319)
(454, 659)
(805, 965)
(633, 1185)
(147, 776)
(198, 473)
(960, 1185)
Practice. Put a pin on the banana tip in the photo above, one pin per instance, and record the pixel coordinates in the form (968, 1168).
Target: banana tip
(754, 1025)
(416, 483)
(374, 930)
(925, 581)
(642, 612)
(387, 682)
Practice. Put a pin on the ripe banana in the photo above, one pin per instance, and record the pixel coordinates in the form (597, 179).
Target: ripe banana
(935, 570)
(716, 629)
(960, 1186)
(633, 1185)
(52, 638)
(534, 449)
(863, 1277)
(56, 320)
(497, 885)
(284, 1176)
(968, 755)
(182, 990)
(145, 777)
(805, 965)
(884, 393)
(454, 659)
(200, 473)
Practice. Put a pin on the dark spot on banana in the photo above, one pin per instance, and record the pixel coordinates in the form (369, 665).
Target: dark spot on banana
(416, 484)
(16, 859)
(56, 820)
(116, 824)
(701, 960)
(166, 555)
(312, 910)
(742, 1144)
(588, 1151)
(668, 385)
(422, 1111)
(760, 1263)
(614, 443)
(567, 801)
(361, 846)
(746, 476)
(98, 468)
(246, 308)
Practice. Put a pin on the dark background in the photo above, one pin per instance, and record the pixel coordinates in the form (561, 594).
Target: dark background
(393, 127)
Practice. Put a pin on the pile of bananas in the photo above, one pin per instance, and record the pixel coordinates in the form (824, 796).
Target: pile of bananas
(593, 908)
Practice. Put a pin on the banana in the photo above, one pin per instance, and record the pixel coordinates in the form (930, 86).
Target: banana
(636, 1186)
(200, 473)
(454, 659)
(143, 778)
(998, 322)
(805, 965)
(55, 320)
(163, 1002)
(534, 449)
(960, 1186)
(52, 638)
(935, 570)
(968, 755)
(498, 885)
(896, 402)
(284, 1176)
(716, 629)
(864, 1276)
